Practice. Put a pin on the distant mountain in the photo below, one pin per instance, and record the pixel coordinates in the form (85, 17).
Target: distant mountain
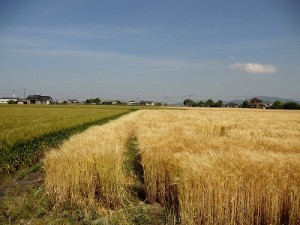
(266, 98)
(236, 101)
(177, 104)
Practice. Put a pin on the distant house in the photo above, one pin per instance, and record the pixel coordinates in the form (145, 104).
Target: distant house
(259, 104)
(59, 101)
(267, 105)
(116, 102)
(39, 99)
(6, 100)
(107, 102)
(160, 104)
(231, 105)
(255, 103)
(132, 103)
(147, 103)
(121, 102)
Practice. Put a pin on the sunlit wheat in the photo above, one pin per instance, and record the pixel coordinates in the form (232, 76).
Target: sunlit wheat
(206, 166)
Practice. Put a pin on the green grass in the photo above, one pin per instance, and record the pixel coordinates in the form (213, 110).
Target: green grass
(19, 123)
(27, 130)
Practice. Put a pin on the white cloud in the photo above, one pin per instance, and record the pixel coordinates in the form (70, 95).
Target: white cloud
(254, 68)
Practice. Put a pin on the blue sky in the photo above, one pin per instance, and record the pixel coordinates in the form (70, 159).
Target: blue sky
(153, 50)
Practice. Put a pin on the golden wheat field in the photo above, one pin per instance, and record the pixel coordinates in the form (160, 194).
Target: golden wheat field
(205, 166)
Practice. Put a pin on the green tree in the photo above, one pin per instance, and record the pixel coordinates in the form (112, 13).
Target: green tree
(209, 103)
(219, 103)
(188, 102)
(277, 105)
(97, 100)
(200, 104)
(93, 100)
(291, 105)
(245, 104)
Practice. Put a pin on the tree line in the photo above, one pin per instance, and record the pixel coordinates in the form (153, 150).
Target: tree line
(93, 101)
(288, 105)
(210, 103)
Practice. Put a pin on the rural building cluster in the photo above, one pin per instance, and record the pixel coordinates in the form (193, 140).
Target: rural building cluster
(47, 100)
(252, 103)
(31, 99)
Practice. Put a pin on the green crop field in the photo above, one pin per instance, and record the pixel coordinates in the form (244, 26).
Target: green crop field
(26, 130)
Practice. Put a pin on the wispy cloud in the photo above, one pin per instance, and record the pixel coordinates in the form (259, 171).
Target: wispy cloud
(87, 32)
(254, 68)
(111, 59)
(108, 38)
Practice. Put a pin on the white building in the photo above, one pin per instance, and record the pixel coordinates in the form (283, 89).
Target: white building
(132, 103)
(5, 100)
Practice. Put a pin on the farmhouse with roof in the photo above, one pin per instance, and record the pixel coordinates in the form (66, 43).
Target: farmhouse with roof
(39, 99)
(255, 103)
(231, 105)
(259, 104)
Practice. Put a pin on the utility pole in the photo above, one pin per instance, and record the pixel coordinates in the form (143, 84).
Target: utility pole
(24, 92)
